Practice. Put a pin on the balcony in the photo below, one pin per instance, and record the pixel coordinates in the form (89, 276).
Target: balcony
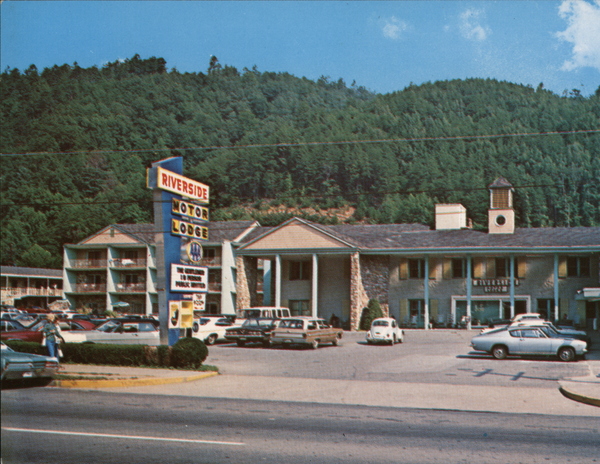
(89, 263)
(214, 261)
(19, 292)
(131, 288)
(126, 263)
(90, 288)
(214, 286)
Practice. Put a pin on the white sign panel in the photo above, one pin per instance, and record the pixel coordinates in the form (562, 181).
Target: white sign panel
(183, 186)
(189, 279)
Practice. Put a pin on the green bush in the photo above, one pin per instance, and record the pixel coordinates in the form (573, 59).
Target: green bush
(188, 352)
(370, 313)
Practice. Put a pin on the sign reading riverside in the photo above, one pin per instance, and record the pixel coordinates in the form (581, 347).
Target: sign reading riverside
(175, 183)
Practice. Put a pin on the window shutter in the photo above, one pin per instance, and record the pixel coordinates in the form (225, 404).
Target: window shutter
(521, 267)
(403, 269)
(562, 267)
(477, 268)
(447, 268)
(404, 312)
(433, 310)
(433, 269)
(490, 271)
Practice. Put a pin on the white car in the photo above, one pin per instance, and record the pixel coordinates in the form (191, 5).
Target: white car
(212, 329)
(132, 331)
(385, 330)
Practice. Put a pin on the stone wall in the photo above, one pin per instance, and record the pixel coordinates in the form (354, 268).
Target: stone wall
(375, 276)
(246, 282)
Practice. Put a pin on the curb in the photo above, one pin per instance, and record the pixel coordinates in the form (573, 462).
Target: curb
(117, 383)
(579, 398)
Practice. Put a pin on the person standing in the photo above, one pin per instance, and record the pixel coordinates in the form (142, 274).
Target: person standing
(52, 335)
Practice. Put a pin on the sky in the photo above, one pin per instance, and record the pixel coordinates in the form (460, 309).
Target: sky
(382, 46)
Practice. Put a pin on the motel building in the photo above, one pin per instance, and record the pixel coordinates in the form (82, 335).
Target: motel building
(452, 276)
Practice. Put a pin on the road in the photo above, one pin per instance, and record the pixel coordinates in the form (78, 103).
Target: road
(63, 426)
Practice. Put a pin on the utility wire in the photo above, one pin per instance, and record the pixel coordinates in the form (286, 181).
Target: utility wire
(304, 144)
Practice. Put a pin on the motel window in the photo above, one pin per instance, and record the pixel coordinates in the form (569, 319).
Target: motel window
(578, 266)
(502, 267)
(300, 270)
(416, 269)
(459, 268)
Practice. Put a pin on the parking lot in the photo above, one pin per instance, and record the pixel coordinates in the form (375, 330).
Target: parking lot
(432, 357)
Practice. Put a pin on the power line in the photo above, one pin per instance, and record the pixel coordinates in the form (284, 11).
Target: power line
(304, 144)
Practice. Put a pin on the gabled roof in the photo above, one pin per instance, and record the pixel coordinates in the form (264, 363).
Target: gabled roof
(500, 182)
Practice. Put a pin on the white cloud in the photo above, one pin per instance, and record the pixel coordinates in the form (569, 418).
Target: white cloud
(583, 31)
(393, 28)
(470, 25)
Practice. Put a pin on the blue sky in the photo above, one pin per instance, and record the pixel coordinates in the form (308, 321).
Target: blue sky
(383, 46)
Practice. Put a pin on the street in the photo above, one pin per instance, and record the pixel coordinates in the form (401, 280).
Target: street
(428, 400)
(58, 426)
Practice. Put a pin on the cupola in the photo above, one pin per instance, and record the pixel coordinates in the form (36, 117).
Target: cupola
(501, 215)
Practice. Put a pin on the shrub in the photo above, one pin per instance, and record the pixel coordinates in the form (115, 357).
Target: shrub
(188, 352)
(370, 313)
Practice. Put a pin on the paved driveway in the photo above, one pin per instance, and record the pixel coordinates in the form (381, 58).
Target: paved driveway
(437, 356)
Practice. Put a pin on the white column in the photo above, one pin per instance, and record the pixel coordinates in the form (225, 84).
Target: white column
(315, 285)
(278, 280)
(426, 295)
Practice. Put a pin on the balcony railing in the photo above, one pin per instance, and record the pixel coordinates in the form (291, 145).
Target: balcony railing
(90, 288)
(214, 286)
(89, 263)
(131, 288)
(214, 261)
(12, 292)
(128, 263)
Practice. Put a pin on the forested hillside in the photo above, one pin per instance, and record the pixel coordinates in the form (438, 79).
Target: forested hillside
(75, 144)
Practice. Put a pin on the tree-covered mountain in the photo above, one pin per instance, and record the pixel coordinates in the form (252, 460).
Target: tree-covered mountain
(76, 142)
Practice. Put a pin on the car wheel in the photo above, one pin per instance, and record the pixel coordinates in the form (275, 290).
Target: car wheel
(499, 352)
(211, 339)
(336, 341)
(267, 343)
(240, 343)
(566, 354)
(394, 340)
(315, 344)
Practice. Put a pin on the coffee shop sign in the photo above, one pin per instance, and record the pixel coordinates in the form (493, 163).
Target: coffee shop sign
(494, 285)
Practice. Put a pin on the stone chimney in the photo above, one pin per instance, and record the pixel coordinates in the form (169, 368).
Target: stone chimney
(450, 217)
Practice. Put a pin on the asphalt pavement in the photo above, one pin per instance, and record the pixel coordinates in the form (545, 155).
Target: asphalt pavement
(572, 396)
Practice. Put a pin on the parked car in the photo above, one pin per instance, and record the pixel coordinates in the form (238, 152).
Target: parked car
(23, 366)
(385, 330)
(72, 331)
(212, 329)
(255, 330)
(567, 333)
(304, 330)
(275, 312)
(124, 330)
(527, 341)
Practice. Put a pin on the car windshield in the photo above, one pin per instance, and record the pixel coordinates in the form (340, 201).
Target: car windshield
(108, 326)
(381, 323)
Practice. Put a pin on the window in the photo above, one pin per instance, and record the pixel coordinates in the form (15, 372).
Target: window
(300, 307)
(209, 252)
(416, 269)
(502, 267)
(300, 270)
(132, 278)
(578, 266)
(459, 268)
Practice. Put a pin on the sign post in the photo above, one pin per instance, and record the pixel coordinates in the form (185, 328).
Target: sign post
(179, 215)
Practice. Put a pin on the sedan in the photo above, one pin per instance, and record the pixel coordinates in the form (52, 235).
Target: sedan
(307, 331)
(256, 330)
(72, 331)
(385, 330)
(23, 366)
(129, 331)
(527, 341)
(212, 329)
